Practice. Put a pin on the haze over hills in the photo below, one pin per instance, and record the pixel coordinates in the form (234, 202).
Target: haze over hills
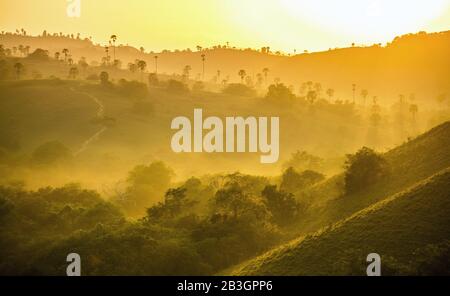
(399, 228)
(385, 71)
(394, 217)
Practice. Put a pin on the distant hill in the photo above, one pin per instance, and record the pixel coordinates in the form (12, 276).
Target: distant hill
(413, 63)
(397, 228)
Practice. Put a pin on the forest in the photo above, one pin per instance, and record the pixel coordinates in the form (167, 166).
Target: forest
(86, 164)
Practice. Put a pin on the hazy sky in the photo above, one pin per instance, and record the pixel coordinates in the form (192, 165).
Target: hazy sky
(283, 25)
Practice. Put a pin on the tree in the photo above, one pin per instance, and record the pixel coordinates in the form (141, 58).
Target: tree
(265, 72)
(65, 51)
(57, 54)
(73, 72)
(279, 92)
(132, 67)
(413, 109)
(104, 78)
(156, 64)
(174, 202)
(19, 70)
(113, 39)
(353, 91)
(203, 66)
(186, 71)
(363, 169)
(153, 79)
(107, 55)
(330, 93)
(311, 96)
(39, 54)
(141, 64)
(364, 94)
(292, 181)
(282, 205)
(83, 64)
(242, 74)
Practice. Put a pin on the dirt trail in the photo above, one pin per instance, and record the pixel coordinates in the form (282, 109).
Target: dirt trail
(100, 115)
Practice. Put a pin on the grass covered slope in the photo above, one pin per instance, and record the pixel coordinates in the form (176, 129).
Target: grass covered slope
(396, 228)
(408, 164)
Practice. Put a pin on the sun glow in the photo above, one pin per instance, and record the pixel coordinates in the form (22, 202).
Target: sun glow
(379, 19)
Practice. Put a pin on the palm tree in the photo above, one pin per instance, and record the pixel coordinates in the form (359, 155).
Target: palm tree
(413, 108)
(203, 65)
(19, 69)
(65, 51)
(83, 64)
(186, 71)
(330, 92)
(21, 49)
(311, 96)
(353, 90)
(141, 66)
(57, 54)
(364, 94)
(107, 54)
(156, 64)
(242, 74)
(132, 67)
(73, 72)
(265, 72)
(113, 39)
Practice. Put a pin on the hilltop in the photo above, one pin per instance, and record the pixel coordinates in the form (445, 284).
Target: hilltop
(385, 71)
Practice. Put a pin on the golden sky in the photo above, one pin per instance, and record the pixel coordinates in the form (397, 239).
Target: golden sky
(283, 25)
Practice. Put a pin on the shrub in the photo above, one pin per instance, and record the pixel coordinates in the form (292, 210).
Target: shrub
(363, 168)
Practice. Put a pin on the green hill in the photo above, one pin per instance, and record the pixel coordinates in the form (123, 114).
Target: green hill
(408, 164)
(399, 228)
(395, 216)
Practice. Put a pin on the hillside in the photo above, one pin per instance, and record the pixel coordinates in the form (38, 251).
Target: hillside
(385, 70)
(408, 164)
(398, 228)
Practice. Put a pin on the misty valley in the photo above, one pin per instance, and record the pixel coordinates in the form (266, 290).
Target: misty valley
(223, 160)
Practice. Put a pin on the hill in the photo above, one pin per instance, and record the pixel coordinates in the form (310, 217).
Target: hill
(399, 228)
(413, 63)
(409, 163)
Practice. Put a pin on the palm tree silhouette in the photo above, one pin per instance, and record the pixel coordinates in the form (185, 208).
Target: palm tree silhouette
(141, 66)
(242, 74)
(156, 64)
(265, 72)
(57, 54)
(107, 54)
(364, 94)
(413, 108)
(203, 65)
(330, 92)
(186, 71)
(353, 90)
(65, 51)
(73, 72)
(113, 39)
(19, 69)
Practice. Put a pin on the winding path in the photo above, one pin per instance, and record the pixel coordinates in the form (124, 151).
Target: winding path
(100, 115)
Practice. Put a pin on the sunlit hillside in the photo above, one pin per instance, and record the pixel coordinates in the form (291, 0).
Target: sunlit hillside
(410, 229)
